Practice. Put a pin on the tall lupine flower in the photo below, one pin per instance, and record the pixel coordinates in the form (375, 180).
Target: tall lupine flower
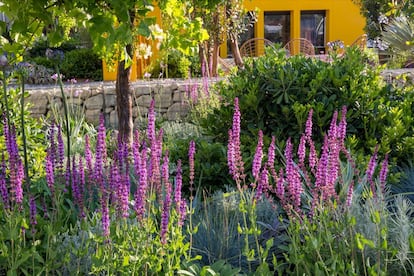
(165, 216)
(114, 184)
(105, 213)
(350, 194)
(258, 156)
(179, 202)
(237, 170)
(383, 173)
(322, 169)
(151, 122)
(294, 185)
(33, 213)
(140, 194)
(61, 151)
(156, 153)
(342, 127)
(3, 186)
(124, 185)
(135, 152)
(81, 186)
(263, 183)
(15, 167)
(100, 152)
(313, 160)
(191, 155)
(371, 169)
(50, 171)
(52, 148)
(271, 158)
(89, 167)
(78, 182)
(335, 146)
(230, 154)
(302, 150)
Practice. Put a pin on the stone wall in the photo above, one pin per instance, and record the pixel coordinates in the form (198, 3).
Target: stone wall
(171, 99)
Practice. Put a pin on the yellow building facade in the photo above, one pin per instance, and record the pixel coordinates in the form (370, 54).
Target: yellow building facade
(319, 21)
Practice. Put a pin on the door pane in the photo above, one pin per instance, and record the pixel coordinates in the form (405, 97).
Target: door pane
(312, 27)
(277, 27)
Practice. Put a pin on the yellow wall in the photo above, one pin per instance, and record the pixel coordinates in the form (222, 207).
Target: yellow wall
(343, 22)
(343, 19)
(139, 65)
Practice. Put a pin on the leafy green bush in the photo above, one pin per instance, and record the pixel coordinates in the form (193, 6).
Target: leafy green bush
(173, 64)
(276, 92)
(82, 64)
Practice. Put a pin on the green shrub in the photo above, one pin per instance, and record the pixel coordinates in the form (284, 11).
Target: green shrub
(276, 92)
(173, 64)
(82, 64)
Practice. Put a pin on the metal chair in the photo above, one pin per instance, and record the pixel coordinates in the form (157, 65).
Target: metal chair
(255, 47)
(300, 46)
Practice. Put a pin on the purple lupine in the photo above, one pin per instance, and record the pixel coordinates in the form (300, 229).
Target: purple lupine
(165, 216)
(50, 172)
(52, 148)
(3, 186)
(114, 184)
(89, 167)
(371, 169)
(15, 167)
(383, 173)
(140, 194)
(263, 183)
(308, 127)
(302, 149)
(332, 132)
(135, 152)
(258, 156)
(238, 173)
(151, 122)
(88, 155)
(123, 193)
(76, 186)
(270, 163)
(105, 214)
(154, 173)
(33, 213)
(342, 127)
(294, 185)
(191, 155)
(313, 159)
(100, 152)
(61, 151)
(81, 186)
(179, 201)
(230, 154)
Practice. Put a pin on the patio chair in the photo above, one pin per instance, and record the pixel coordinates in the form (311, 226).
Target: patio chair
(300, 46)
(360, 42)
(255, 47)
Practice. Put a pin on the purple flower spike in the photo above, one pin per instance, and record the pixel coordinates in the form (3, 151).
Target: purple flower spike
(140, 195)
(179, 201)
(33, 212)
(3, 186)
(258, 156)
(383, 173)
(167, 200)
(191, 155)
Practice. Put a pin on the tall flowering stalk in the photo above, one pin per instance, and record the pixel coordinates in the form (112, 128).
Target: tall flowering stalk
(258, 156)
(15, 166)
(3, 186)
(180, 204)
(167, 200)
(191, 155)
(234, 155)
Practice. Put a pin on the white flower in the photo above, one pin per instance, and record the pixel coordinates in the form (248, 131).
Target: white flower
(144, 51)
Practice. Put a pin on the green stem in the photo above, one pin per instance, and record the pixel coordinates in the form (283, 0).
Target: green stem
(26, 163)
(67, 128)
(6, 103)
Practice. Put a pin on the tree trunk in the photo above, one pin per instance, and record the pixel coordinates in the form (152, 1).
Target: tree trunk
(236, 51)
(124, 100)
(215, 56)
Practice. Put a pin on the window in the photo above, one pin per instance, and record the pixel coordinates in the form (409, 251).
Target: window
(312, 27)
(277, 27)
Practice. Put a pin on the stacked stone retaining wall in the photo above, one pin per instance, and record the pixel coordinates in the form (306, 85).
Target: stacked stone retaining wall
(172, 99)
